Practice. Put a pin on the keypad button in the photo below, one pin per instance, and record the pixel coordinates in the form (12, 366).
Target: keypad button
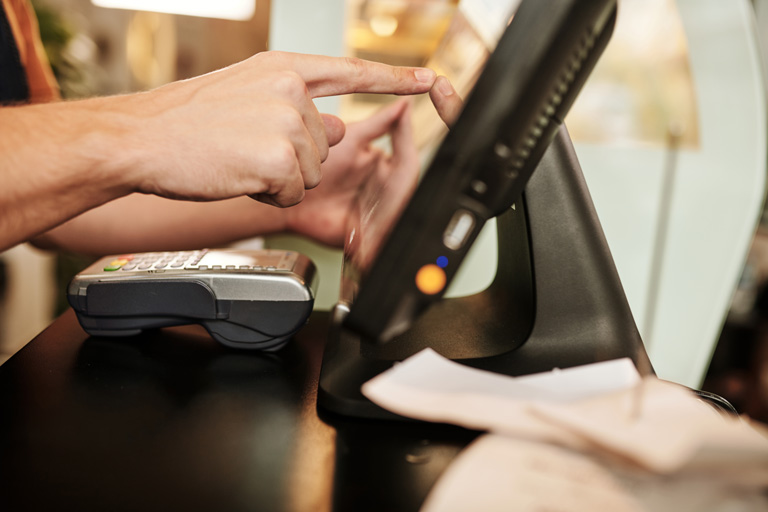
(161, 260)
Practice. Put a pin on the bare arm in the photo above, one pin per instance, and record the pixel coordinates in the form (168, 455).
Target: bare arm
(54, 165)
(144, 223)
(248, 130)
(147, 223)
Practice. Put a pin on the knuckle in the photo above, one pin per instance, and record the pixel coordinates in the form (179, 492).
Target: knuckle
(356, 69)
(323, 151)
(261, 58)
(292, 121)
(354, 63)
(293, 199)
(269, 57)
(292, 193)
(291, 84)
(397, 74)
(312, 176)
(283, 157)
(273, 54)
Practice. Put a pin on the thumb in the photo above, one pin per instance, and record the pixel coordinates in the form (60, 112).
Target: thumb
(334, 129)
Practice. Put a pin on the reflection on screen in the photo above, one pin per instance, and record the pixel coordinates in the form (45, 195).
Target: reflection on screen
(460, 56)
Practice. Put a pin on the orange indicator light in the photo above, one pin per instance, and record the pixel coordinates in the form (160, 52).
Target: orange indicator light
(430, 279)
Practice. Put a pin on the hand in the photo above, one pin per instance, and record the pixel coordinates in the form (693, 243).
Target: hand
(251, 129)
(323, 213)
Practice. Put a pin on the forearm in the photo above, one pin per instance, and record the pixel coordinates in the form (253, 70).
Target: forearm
(60, 160)
(141, 223)
(57, 161)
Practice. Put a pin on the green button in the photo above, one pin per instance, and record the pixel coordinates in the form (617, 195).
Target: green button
(112, 268)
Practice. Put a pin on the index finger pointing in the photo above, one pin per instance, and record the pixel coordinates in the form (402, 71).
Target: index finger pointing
(330, 76)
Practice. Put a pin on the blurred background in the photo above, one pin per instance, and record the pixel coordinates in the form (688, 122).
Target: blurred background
(679, 92)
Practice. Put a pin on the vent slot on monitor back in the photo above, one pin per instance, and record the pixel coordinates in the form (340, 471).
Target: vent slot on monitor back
(518, 157)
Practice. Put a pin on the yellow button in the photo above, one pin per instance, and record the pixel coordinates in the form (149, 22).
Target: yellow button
(430, 279)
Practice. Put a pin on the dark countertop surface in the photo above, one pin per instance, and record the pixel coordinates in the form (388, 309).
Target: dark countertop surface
(171, 420)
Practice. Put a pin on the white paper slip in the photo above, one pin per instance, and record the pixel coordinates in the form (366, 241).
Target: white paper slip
(429, 371)
(429, 387)
(592, 407)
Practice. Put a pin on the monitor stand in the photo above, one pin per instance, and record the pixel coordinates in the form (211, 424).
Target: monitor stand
(556, 300)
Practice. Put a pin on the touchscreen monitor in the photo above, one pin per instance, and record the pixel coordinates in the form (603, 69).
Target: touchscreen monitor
(411, 230)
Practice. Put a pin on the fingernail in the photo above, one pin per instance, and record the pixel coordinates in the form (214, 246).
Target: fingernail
(424, 75)
(445, 87)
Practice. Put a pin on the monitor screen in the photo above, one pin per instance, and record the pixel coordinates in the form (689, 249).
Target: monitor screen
(520, 73)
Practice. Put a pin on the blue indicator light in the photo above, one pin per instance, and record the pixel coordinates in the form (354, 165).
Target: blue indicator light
(442, 261)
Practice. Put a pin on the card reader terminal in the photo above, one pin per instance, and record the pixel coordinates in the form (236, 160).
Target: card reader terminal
(243, 298)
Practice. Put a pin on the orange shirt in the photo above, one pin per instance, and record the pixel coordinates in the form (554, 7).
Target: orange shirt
(21, 18)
